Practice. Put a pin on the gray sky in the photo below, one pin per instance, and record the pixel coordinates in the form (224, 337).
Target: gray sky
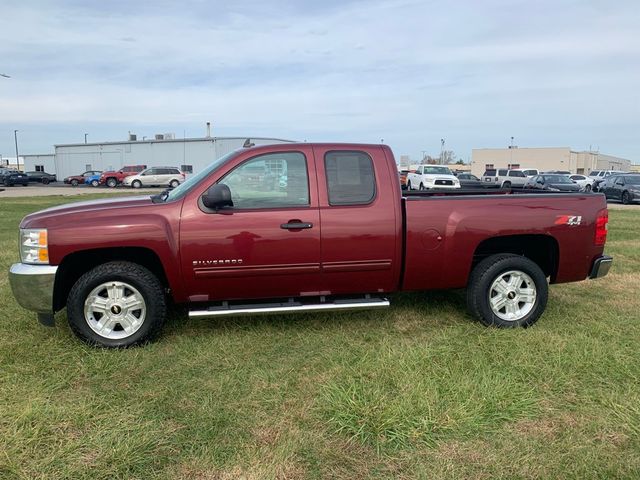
(549, 73)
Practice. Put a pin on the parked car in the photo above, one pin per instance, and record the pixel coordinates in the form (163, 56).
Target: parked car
(75, 180)
(552, 183)
(93, 180)
(468, 180)
(329, 241)
(41, 177)
(625, 188)
(559, 172)
(402, 175)
(586, 183)
(428, 177)
(155, 176)
(508, 178)
(113, 178)
(600, 175)
(9, 178)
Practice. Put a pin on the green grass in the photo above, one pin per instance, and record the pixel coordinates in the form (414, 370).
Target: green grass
(419, 390)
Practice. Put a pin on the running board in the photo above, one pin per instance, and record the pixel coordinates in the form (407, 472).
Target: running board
(291, 307)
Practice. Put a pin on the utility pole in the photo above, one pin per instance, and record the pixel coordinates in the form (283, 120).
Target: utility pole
(511, 154)
(15, 137)
(85, 138)
(424, 155)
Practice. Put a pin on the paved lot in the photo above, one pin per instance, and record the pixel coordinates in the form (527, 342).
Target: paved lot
(60, 188)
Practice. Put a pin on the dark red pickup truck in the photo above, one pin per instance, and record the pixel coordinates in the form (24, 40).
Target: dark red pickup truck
(329, 230)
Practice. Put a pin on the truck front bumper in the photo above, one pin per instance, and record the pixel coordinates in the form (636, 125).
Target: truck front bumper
(601, 266)
(32, 286)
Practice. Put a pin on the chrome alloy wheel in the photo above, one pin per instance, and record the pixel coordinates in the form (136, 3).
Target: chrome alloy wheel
(512, 295)
(115, 310)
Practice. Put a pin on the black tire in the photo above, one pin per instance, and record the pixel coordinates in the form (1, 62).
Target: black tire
(421, 187)
(587, 188)
(133, 274)
(506, 185)
(25, 184)
(74, 183)
(45, 181)
(136, 184)
(626, 198)
(95, 183)
(112, 182)
(174, 183)
(409, 185)
(489, 270)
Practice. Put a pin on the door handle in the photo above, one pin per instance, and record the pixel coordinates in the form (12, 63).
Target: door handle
(296, 225)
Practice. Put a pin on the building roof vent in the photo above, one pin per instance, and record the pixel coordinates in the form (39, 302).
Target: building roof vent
(133, 137)
(159, 136)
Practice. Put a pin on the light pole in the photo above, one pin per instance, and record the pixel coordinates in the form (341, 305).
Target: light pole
(15, 137)
(85, 138)
(442, 151)
(511, 154)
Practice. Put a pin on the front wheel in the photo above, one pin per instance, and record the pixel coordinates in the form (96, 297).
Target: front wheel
(421, 187)
(587, 188)
(112, 183)
(174, 183)
(117, 304)
(95, 183)
(409, 185)
(136, 184)
(626, 198)
(45, 181)
(74, 183)
(507, 290)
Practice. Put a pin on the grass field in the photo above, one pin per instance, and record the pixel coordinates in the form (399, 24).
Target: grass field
(416, 391)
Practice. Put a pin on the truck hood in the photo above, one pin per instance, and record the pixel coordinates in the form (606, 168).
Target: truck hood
(39, 219)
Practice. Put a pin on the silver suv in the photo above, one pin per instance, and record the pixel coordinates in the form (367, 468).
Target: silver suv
(507, 178)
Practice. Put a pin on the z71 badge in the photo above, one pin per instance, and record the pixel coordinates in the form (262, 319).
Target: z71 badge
(568, 220)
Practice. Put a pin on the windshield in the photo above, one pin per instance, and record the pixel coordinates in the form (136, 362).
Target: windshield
(557, 179)
(437, 171)
(181, 190)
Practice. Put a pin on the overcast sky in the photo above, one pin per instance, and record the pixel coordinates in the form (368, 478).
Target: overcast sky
(549, 73)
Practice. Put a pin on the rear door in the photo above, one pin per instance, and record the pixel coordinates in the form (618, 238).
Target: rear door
(361, 220)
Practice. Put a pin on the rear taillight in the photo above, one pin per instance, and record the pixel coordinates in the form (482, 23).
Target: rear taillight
(602, 219)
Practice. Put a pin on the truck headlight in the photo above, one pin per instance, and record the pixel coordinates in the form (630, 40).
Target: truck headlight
(34, 247)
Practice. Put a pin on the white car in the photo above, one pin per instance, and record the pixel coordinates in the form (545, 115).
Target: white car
(428, 177)
(507, 178)
(155, 176)
(586, 183)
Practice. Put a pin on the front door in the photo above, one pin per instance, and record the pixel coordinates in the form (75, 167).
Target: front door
(268, 244)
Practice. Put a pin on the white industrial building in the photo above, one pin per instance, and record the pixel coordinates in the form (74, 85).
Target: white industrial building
(190, 155)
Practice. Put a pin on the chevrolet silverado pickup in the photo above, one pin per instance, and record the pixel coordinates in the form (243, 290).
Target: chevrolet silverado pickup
(334, 233)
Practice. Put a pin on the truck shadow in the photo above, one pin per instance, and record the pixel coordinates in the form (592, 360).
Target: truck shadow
(434, 307)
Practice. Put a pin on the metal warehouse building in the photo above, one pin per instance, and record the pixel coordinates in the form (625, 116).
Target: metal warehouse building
(190, 154)
(552, 158)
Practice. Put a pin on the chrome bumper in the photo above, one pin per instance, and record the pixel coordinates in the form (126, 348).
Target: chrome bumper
(32, 285)
(601, 266)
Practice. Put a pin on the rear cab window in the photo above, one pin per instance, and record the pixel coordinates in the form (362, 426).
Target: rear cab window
(350, 178)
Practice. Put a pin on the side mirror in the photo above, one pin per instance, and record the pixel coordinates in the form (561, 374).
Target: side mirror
(217, 196)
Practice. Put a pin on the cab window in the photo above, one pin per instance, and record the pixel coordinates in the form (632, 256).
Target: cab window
(272, 180)
(350, 178)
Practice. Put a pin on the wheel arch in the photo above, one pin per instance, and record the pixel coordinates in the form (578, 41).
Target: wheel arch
(76, 264)
(541, 249)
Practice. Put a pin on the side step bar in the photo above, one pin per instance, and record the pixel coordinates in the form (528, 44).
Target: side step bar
(291, 307)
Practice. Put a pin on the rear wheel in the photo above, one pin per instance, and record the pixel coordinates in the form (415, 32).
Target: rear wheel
(626, 198)
(506, 185)
(136, 184)
(74, 183)
(507, 290)
(112, 183)
(587, 188)
(25, 184)
(117, 304)
(174, 183)
(409, 185)
(421, 186)
(95, 183)
(45, 181)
